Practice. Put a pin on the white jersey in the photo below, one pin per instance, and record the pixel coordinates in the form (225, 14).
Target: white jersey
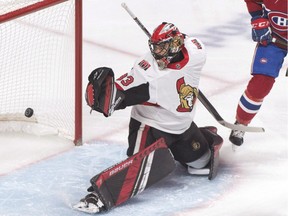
(173, 91)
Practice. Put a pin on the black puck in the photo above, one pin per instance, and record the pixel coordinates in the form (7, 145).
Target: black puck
(29, 112)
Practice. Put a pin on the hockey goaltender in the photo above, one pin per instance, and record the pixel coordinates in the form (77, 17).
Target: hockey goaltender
(162, 88)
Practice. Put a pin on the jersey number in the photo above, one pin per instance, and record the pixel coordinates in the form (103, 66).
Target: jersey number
(125, 79)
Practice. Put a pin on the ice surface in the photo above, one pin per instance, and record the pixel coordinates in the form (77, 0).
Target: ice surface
(46, 175)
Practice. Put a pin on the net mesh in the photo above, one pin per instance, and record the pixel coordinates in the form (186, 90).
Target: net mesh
(37, 66)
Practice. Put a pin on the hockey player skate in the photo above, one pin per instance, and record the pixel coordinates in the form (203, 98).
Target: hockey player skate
(236, 136)
(215, 143)
(90, 204)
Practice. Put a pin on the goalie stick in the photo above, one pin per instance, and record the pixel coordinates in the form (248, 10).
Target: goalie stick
(201, 96)
(221, 121)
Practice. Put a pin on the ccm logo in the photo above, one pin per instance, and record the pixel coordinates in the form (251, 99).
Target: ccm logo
(260, 25)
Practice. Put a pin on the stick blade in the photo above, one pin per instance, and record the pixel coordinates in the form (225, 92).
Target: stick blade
(241, 127)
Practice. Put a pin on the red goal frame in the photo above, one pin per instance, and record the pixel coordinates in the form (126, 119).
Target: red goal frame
(78, 52)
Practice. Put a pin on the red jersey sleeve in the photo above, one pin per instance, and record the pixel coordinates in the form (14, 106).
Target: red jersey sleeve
(254, 7)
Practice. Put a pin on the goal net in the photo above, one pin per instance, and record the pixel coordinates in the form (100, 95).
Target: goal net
(40, 67)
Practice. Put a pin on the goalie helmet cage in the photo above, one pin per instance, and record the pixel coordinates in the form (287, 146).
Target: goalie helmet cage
(41, 67)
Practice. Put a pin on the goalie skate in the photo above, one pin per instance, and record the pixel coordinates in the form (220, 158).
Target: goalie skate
(90, 204)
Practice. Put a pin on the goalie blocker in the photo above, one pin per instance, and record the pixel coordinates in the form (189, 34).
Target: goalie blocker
(128, 178)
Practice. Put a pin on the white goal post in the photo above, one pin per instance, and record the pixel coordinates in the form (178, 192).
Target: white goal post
(41, 67)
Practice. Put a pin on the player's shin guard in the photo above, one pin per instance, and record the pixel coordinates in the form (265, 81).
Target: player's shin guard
(126, 179)
(215, 143)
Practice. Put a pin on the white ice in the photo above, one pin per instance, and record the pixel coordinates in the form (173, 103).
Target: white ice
(46, 175)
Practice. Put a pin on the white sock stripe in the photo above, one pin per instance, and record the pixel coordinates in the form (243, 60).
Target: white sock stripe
(247, 110)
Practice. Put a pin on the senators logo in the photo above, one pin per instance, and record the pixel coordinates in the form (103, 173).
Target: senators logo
(187, 96)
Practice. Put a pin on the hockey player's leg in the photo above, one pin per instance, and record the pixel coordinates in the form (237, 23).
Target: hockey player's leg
(250, 103)
(208, 163)
(266, 66)
(126, 179)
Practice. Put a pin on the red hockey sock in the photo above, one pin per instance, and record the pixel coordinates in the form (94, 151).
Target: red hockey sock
(251, 100)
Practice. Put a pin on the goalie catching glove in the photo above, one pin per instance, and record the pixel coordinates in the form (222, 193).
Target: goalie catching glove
(101, 93)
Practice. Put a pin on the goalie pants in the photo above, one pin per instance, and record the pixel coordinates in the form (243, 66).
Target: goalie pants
(186, 147)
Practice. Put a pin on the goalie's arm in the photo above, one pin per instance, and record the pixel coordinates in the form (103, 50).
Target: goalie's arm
(105, 96)
(135, 95)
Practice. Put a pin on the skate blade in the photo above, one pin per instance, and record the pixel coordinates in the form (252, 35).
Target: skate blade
(83, 207)
(235, 148)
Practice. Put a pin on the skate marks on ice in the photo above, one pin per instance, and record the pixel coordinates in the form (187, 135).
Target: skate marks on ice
(51, 187)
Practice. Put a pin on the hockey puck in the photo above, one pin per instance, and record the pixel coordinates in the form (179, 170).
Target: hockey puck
(29, 112)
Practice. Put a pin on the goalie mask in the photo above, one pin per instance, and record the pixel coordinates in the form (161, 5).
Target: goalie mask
(165, 43)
